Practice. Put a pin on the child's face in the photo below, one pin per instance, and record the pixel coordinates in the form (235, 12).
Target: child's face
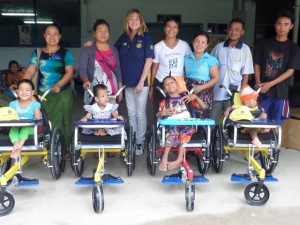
(24, 91)
(14, 68)
(283, 26)
(251, 103)
(102, 97)
(170, 86)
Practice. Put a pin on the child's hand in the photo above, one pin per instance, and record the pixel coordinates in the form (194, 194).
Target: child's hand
(189, 97)
(120, 118)
(167, 112)
(83, 119)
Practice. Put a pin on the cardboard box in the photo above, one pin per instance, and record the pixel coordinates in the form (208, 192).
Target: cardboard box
(291, 130)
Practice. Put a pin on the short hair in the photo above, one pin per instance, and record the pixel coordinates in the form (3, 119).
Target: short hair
(100, 22)
(98, 87)
(201, 33)
(27, 81)
(286, 13)
(143, 27)
(53, 25)
(237, 20)
(167, 77)
(176, 19)
(12, 62)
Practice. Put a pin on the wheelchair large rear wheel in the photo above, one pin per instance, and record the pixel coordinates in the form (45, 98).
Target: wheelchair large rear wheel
(256, 199)
(151, 152)
(98, 198)
(189, 196)
(130, 152)
(218, 153)
(77, 163)
(56, 153)
(269, 162)
(6, 204)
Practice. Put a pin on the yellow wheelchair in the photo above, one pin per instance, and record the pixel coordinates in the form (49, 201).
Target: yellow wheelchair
(45, 143)
(227, 137)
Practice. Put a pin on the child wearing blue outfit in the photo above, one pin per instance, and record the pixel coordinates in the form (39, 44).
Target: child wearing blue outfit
(26, 109)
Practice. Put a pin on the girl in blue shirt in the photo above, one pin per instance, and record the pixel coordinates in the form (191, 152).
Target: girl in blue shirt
(201, 70)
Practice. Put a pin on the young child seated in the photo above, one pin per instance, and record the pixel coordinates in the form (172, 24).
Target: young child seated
(175, 106)
(101, 109)
(26, 109)
(249, 106)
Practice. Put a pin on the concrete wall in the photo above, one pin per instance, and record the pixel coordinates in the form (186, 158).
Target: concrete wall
(192, 11)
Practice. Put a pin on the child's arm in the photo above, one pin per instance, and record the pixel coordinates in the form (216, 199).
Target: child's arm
(193, 97)
(86, 117)
(37, 114)
(116, 115)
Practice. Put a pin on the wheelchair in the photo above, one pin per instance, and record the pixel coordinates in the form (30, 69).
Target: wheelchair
(199, 145)
(82, 144)
(227, 137)
(46, 143)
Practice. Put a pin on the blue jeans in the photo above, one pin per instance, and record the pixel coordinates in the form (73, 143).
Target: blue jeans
(136, 107)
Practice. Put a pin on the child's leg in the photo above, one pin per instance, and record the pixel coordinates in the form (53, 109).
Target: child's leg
(24, 134)
(164, 162)
(14, 138)
(100, 132)
(177, 163)
(255, 140)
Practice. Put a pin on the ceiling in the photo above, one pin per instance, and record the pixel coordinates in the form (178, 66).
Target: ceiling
(63, 12)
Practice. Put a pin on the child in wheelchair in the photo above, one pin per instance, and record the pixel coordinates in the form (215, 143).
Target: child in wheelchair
(101, 109)
(248, 111)
(174, 106)
(27, 108)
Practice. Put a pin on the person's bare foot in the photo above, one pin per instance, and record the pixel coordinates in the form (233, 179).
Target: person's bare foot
(173, 165)
(163, 165)
(14, 150)
(15, 154)
(257, 142)
(100, 132)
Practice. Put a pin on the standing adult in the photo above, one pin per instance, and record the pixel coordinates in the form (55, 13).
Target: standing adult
(202, 72)
(55, 70)
(169, 59)
(136, 52)
(235, 66)
(99, 63)
(275, 61)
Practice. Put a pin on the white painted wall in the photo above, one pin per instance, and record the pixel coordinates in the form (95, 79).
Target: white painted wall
(192, 11)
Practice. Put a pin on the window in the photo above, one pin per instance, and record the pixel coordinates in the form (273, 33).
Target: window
(24, 25)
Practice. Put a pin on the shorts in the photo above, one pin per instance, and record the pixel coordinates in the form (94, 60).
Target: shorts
(275, 108)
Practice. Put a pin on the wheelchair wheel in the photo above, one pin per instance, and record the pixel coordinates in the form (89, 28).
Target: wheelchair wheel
(98, 198)
(270, 161)
(256, 199)
(151, 152)
(130, 152)
(77, 163)
(218, 153)
(56, 156)
(203, 160)
(189, 196)
(7, 204)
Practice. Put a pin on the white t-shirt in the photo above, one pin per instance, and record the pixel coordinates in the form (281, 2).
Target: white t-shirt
(234, 63)
(170, 59)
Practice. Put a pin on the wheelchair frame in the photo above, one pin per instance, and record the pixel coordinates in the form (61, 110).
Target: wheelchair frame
(201, 148)
(80, 149)
(50, 148)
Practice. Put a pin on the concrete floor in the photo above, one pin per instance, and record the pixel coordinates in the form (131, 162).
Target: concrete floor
(143, 199)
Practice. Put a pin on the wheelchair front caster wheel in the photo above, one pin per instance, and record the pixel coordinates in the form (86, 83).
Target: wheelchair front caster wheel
(256, 197)
(98, 198)
(189, 196)
(6, 204)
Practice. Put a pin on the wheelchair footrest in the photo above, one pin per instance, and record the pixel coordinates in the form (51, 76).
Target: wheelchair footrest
(245, 178)
(25, 182)
(172, 179)
(200, 179)
(106, 179)
(241, 178)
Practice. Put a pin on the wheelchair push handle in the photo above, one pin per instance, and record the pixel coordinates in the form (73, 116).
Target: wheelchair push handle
(113, 96)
